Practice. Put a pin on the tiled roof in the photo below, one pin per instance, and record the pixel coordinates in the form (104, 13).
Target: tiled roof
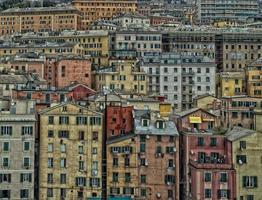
(238, 132)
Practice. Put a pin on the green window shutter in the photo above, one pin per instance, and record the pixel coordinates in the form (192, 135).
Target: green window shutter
(255, 181)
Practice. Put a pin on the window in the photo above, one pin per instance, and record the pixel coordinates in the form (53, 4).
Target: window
(50, 119)
(81, 135)
(158, 149)
(199, 88)
(5, 162)
(50, 162)
(142, 147)
(80, 149)
(94, 150)
(95, 136)
(143, 192)
(80, 194)
(50, 178)
(63, 71)
(26, 162)
(249, 181)
(223, 193)
(208, 176)
(143, 178)
(62, 148)
(127, 161)
(49, 192)
(24, 193)
(241, 159)
(145, 122)
(6, 130)
(250, 197)
(26, 146)
(63, 193)
(6, 146)
(127, 177)
(25, 177)
(63, 162)
(115, 161)
(81, 120)
(95, 120)
(207, 70)
(128, 190)
(158, 138)
(80, 181)
(208, 193)
(213, 142)
(63, 134)
(242, 145)
(200, 141)
(63, 120)
(5, 194)
(50, 133)
(223, 177)
(170, 163)
(5, 178)
(50, 147)
(198, 79)
(234, 114)
(115, 177)
(198, 70)
(169, 179)
(81, 165)
(27, 130)
(142, 138)
(207, 79)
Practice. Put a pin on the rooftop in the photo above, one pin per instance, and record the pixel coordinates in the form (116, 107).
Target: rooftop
(238, 132)
(39, 9)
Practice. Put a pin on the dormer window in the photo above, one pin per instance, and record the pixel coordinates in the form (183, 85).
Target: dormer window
(145, 122)
(160, 124)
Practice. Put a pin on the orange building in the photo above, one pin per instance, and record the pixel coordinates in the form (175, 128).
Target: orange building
(24, 20)
(102, 9)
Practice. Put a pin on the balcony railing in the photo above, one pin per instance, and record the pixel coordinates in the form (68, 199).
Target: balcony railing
(200, 165)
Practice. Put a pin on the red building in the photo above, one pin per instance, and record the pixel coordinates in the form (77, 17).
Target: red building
(119, 120)
(61, 71)
(206, 167)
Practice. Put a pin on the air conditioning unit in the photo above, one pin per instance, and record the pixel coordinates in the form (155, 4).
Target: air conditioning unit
(158, 195)
(192, 152)
(174, 149)
(146, 163)
(240, 162)
(168, 183)
(147, 136)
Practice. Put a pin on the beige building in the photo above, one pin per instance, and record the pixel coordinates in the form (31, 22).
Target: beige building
(70, 158)
(42, 19)
(246, 154)
(125, 75)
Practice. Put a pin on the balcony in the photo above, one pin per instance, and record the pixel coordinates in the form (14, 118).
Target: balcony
(190, 73)
(189, 83)
(208, 165)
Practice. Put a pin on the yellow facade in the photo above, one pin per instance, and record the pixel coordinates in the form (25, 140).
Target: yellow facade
(252, 167)
(165, 109)
(124, 76)
(254, 81)
(122, 160)
(101, 9)
(232, 83)
(205, 102)
(70, 152)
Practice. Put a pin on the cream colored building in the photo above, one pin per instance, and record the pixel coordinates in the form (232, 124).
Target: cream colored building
(246, 153)
(125, 75)
(70, 153)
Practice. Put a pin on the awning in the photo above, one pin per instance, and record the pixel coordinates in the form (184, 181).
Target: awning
(195, 120)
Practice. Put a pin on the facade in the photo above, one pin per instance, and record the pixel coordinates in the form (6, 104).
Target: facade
(70, 146)
(94, 9)
(211, 10)
(143, 41)
(128, 19)
(245, 160)
(184, 77)
(254, 79)
(206, 167)
(133, 164)
(119, 120)
(124, 75)
(207, 102)
(61, 71)
(232, 84)
(17, 140)
(239, 111)
(23, 20)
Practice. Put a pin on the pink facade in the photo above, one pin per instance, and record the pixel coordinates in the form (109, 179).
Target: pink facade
(207, 170)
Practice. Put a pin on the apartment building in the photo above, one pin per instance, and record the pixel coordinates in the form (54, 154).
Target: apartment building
(240, 111)
(17, 140)
(184, 77)
(133, 164)
(70, 146)
(232, 84)
(93, 42)
(207, 168)
(23, 20)
(211, 10)
(62, 70)
(246, 155)
(93, 9)
(143, 41)
(254, 78)
(130, 19)
(125, 75)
